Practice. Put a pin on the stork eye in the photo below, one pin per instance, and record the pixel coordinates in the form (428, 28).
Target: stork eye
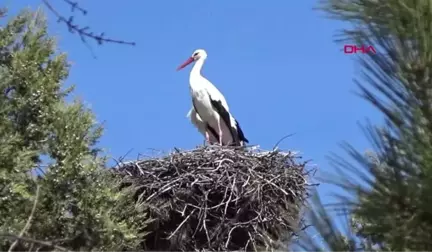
(195, 54)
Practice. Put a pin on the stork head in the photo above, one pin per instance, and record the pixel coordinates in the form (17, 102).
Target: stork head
(196, 55)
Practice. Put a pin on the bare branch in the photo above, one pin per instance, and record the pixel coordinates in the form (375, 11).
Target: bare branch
(33, 241)
(280, 141)
(83, 32)
(74, 6)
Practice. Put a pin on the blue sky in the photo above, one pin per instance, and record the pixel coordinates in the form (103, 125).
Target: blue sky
(274, 61)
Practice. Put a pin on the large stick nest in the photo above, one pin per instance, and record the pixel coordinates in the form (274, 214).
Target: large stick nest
(214, 198)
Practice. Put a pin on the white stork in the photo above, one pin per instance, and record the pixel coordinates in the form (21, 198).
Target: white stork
(210, 105)
(202, 126)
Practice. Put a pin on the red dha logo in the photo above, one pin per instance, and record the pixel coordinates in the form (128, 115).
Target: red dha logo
(349, 49)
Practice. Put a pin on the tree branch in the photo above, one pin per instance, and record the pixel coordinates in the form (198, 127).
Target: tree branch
(83, 32)
(29, 220)
(34, 241)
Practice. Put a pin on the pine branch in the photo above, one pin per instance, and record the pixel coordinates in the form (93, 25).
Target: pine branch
(29, 220)
(84, 32)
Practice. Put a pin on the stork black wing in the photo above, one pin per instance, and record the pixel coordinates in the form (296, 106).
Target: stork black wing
(212, 131)
(224, 114)
(240, 133)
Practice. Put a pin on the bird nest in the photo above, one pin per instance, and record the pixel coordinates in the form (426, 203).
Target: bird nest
(215, 198)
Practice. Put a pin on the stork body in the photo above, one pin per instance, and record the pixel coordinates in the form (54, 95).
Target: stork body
(211, 106)
(203, 127)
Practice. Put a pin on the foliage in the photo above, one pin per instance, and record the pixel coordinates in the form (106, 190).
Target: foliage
(76, 205)
(390, 202)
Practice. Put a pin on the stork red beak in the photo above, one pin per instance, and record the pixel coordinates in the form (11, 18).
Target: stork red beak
(187, 62)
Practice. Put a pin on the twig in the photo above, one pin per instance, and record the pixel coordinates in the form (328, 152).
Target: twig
(280, 141)
(74, 5)
(82, 31)
(205, 219)
(29, 220)
(121, 158)
(30, 240)
(229, 236)
(181, 224)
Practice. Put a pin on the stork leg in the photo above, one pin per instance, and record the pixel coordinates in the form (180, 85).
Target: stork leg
(207, 136)
(220, 131)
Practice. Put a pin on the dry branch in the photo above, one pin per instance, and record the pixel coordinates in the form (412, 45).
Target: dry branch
(214, 198)
(46, 244)
(83, 32)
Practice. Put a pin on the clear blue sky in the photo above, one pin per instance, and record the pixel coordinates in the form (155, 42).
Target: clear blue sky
(274, 61)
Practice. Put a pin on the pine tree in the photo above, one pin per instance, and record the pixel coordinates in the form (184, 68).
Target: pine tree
(390, 195)
(54, 190)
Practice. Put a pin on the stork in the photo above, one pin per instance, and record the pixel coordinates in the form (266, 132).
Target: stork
(210, 105)
(202, 126)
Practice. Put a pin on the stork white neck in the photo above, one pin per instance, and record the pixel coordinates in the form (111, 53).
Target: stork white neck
(196, 70)
(195, 76)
